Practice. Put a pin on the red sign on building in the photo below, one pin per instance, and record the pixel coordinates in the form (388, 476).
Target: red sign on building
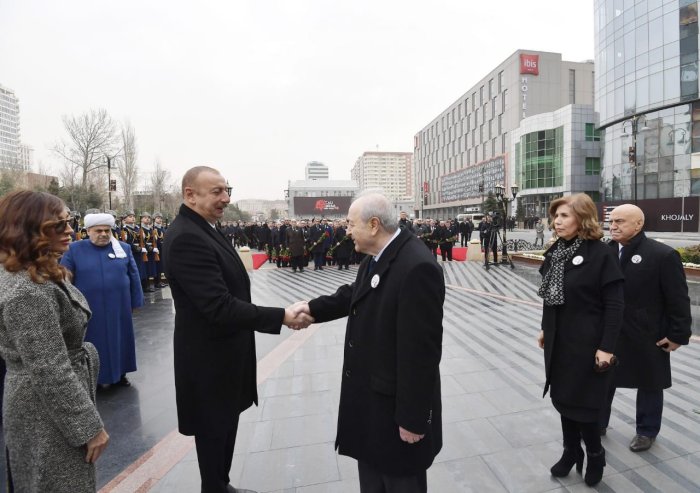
(529, 64)
(425, 187)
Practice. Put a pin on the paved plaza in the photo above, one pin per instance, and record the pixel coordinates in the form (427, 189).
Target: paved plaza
(500, 434)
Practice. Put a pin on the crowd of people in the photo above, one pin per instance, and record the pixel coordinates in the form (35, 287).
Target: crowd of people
(612, 315)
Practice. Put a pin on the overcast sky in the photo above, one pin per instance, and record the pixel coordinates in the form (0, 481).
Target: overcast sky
(258, 88)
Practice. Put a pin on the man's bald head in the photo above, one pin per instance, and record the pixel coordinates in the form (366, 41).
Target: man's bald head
(626, 221)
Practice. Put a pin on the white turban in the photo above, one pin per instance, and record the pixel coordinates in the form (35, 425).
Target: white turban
(98, 220)
(105, 220)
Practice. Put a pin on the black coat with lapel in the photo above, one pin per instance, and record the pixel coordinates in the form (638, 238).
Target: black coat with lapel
(391, 374)
(656, 306)
(574, 331)
(214, 344)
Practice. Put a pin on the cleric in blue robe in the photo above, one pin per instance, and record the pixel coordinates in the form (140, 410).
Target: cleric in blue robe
(105, 272)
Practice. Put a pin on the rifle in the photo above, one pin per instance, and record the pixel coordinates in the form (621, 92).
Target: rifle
(144, 256)
(154, 243)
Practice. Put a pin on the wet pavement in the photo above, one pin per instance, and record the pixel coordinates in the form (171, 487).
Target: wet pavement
(500, 435)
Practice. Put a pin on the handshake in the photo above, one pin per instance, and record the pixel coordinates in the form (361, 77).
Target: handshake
(298, 316)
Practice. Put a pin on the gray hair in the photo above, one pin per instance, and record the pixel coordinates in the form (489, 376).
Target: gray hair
(375, 204)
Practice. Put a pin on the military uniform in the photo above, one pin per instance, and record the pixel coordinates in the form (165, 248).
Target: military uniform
(159, 232)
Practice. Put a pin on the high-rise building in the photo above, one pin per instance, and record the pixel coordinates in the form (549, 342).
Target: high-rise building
(646, 93)
(389, 171)
(316, 171)
(9, 129)
(467, 147)
(25, 157)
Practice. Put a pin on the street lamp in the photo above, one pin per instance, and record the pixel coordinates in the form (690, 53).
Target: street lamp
(504, 200)
(632, 151)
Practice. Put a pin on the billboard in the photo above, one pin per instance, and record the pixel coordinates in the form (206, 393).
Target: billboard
(672, 214)
(464, 184)
(529, 64)
(322, 206)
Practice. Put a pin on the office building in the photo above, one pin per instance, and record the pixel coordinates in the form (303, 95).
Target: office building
(316, 171)
(9, 129)
(646, 93)
(467, 146)
(320, 198)
(389, 171)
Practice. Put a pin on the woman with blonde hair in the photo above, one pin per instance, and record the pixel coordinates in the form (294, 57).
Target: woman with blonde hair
(581, 319)
(53, 432)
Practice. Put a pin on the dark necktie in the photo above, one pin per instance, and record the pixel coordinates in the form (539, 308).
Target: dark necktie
(372, 264)
(619, 254)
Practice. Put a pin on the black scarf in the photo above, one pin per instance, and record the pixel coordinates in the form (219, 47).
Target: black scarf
(552, 288)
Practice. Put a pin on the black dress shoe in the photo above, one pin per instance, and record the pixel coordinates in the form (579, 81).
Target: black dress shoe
(123, 382)
(641, 443)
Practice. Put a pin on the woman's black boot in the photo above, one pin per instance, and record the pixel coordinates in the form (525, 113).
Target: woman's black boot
(572, 455)
(594, 468)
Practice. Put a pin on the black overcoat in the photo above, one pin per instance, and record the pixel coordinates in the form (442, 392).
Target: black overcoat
(214, 344)
(393, 345)
(587, 321)
(656, 306)
(346, 245)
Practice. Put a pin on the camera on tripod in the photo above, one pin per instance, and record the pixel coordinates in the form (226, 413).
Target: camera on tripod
(496, 220)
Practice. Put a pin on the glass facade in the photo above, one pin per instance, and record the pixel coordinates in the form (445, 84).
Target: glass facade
(663, 156)
(539, 159)
(646, 85)
(646, 56)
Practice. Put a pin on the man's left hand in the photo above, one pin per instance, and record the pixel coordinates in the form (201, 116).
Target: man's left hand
(666, 345)
(408, 436)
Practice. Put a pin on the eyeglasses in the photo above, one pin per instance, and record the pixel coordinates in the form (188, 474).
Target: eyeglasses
(60, 226)
(603, 366)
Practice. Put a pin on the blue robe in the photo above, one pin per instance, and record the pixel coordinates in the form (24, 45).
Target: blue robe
(112, 287)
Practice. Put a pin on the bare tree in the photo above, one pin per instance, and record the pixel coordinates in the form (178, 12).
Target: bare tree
(128, 169)
(91, 137)
(159, 183)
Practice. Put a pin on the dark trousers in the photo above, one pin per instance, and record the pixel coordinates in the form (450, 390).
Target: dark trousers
(446, 252)
(318, 259)
(214, 455)
(463, 239)
(650, 406)
(373, 481)
(297, 262)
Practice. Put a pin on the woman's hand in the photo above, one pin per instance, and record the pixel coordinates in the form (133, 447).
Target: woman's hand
(96, 446)
(602, 357)
(540, 339)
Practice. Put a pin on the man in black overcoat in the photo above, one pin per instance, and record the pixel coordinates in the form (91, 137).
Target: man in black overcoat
(657, 320)
(390, 407)
(214, 343)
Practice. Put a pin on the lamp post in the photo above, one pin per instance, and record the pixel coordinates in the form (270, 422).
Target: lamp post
(504, 200)
(632, 151)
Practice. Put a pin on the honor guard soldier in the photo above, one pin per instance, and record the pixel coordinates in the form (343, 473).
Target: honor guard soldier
(158, 232)
(116, 229)
(149, 253)
(131, 235)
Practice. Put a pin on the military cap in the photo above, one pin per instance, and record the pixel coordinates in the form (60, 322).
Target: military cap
(157, 214)
(110, 211)
(128, 212)
(145, 214)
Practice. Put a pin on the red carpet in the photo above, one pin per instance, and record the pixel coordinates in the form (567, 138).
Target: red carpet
(259, 259)
(458, 253)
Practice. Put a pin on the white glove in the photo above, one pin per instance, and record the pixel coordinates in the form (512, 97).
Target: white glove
(143, 250)
(155, 250)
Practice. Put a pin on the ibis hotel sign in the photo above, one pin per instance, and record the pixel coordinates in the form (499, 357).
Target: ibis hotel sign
(529, 65)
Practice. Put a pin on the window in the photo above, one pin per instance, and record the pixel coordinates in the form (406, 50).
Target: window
(572, 86)
(592, 165)
(592, 134)
(500, 81)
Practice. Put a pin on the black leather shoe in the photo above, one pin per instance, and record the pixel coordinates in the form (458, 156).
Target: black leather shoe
(123, 382)
(641, 443)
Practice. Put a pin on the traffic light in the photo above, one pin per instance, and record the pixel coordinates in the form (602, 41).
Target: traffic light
(112, 185)
(481, 188)
(632, 155)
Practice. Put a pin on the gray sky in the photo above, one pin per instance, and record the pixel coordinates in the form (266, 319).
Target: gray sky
(258, 88)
